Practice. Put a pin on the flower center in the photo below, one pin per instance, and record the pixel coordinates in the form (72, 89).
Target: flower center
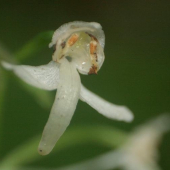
(82, 49)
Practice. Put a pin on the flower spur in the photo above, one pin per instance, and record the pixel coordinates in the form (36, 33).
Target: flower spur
(78, 47)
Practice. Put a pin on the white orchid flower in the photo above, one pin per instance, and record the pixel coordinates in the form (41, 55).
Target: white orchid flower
(138, 153)
(78, 48)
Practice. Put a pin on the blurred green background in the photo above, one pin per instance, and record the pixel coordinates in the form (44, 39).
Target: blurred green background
(136, 71)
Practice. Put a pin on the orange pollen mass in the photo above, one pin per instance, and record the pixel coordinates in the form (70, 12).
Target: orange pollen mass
(72, 39)
(93, 46)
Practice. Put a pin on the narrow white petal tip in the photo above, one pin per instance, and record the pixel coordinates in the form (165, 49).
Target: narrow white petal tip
(42, 151)
(162, 122)
(125, 114)
(6, 65)
(107, 109)
(130, 115)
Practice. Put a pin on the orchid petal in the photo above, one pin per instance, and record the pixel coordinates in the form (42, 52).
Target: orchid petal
(43, 77)
(63, 108)
(104, 107)
(140, 151)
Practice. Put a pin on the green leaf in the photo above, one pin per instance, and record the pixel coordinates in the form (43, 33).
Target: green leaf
(33, 46)
(27, 153)
(6, 55)
(42, 97)
(2, 94)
